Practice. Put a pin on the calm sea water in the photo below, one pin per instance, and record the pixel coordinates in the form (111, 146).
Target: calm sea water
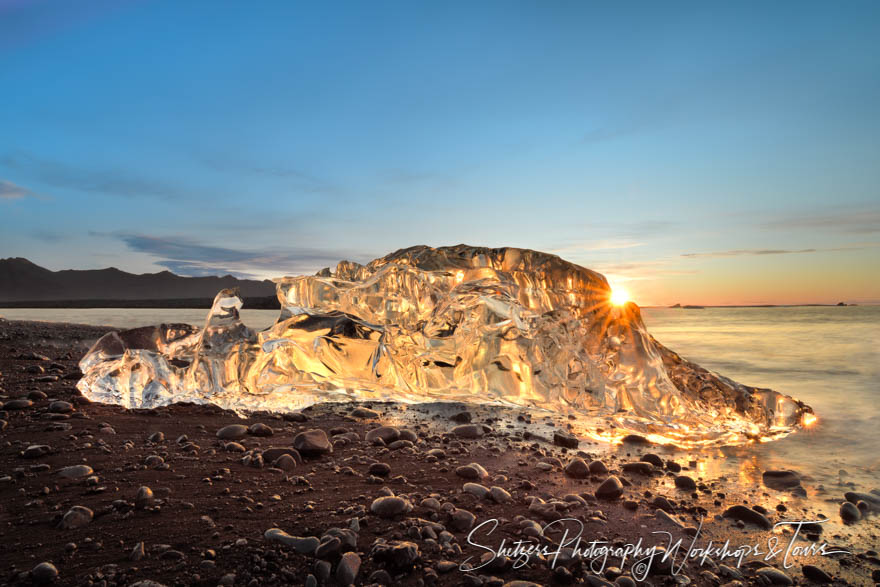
(828, 357)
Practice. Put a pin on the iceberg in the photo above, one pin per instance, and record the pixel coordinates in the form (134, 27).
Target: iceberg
(502, 326)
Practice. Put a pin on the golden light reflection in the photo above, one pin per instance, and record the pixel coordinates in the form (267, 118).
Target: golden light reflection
(809, 419)
(619, 296)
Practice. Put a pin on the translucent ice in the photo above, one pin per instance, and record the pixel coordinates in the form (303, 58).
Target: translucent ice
(501, 326)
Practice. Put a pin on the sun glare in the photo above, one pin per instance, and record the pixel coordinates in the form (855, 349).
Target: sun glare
(619, 296)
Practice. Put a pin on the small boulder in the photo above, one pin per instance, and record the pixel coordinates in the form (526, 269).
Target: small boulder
(232, 432)
(312, 443)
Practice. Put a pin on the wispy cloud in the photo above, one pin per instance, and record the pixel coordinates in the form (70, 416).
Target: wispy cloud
(758, 252)
(300, 180)
(11, 191)
(855, 221)
(187, 256)
(110, 181)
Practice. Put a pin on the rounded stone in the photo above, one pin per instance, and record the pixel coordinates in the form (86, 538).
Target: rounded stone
(598, 468)
(389, 506)
(232, 432)
(271, 454)
(468, 431)
(781, 479)
(387, 434)
(348, 568)
(849, 513)
(76, 517)
(379, 469)
(144, 498)
(774, 576)
(75, 472)
(686, 483)
(640, 467)
(653, 459)
(61, 407)
(260, 429)
(285, 462)
(611, 488)
(312, 443)
(577, 468)
(472, 471)
(44, 573)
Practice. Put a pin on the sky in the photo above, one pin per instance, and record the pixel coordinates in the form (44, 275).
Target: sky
(693, 152)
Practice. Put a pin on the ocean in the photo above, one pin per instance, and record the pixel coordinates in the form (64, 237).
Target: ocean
(828, 357)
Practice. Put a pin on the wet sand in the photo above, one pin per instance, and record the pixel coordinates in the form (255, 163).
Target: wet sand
(212, 504)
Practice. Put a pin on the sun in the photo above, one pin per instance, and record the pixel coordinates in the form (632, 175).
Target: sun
(619, 296)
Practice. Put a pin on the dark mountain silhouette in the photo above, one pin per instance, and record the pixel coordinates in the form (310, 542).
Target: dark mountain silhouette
(23, 281)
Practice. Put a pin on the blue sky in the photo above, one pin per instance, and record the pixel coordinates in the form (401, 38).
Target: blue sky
(692, 151)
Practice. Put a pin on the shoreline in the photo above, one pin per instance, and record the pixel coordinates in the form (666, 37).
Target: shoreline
(214, 500)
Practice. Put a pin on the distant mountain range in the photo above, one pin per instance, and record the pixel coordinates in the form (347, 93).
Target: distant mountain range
(22, 281)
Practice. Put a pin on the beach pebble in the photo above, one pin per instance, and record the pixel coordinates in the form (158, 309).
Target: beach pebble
(76, 517)
(312, 443)
(640, 467)
(348, 568)
(472, 471)
(156, 437)
(379, 469)
(60, 407)
(389, 506)
(781, 479)
(499, 495)
(154, 461)
(17, 404)
(285, 462)
(849, 513)
(461, 417)
(577, 468)
(611, 488)
(653, 459)
(636, 439)
(468, 431)
(260, 429)
(271, 454)
(746, 514)
(144, 498)
(598, 468)
(396, 555)
(44, 573)
(686, 483)
(75, 472)
(232, 432)
(302, 545)
(815, 574)
(363, 413)
(565, 439)
(36, 451)
(462, 520)
(475, 489)
(774, 576)
(870, 499)
(386, 434)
